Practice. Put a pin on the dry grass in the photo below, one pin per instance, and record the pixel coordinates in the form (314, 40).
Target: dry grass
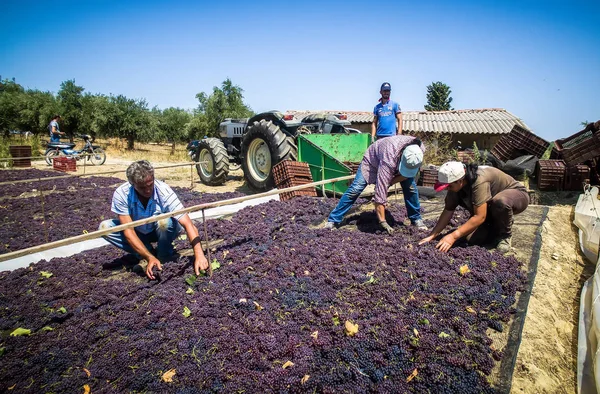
(155, 153)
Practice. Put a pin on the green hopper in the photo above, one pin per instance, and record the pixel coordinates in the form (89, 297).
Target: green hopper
(332, 156)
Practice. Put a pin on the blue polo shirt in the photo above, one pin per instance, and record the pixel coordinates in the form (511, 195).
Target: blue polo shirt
(386, 118)
(126, 202)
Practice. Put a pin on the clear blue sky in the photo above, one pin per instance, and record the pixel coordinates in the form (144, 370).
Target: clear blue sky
(539, 60)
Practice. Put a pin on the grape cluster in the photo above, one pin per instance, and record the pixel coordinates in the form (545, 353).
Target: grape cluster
(271, 319)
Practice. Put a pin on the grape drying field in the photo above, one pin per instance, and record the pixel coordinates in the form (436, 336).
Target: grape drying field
(291, 308)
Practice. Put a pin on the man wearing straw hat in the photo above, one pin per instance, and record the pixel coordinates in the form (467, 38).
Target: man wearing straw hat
(143, 197)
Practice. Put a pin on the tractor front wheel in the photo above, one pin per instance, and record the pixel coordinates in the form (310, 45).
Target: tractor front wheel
(263, 146)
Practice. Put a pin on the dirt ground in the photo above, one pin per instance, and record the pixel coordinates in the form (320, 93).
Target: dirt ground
(547, 357)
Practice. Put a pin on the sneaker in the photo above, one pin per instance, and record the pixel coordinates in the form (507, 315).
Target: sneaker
(420, 225)
(504, 245)
(331, 226)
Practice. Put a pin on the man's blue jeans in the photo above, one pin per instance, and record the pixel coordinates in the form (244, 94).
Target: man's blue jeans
(409, 189)
(165, 232)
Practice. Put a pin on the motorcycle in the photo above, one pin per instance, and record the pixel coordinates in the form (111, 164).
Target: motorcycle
(94, 153)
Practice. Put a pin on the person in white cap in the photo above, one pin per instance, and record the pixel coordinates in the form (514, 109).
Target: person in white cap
(491, 196)
(386, 162)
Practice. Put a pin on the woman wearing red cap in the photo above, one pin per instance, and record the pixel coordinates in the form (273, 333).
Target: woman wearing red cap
(491, 196)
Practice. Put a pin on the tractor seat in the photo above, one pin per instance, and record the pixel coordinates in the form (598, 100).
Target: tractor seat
(61, 145)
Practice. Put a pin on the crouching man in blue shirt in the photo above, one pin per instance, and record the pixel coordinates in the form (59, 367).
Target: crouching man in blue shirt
(143, 197)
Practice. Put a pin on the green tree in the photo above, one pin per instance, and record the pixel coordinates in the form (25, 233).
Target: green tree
(224, 102)
(11, 93)
(36, 111)
(171, 125)
(70, 97)
(438, 97)
(121, 117)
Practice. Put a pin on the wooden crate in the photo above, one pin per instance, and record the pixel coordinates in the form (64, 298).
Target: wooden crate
(429, 177)
(576, 176)
(580, 147)
(551, 175)
(519, 142)
(18, 151)
(64, 164)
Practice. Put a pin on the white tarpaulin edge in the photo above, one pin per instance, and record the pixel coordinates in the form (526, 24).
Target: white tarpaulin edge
(70, 250)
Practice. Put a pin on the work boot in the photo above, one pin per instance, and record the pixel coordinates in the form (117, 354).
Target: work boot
(419, 225)
(504, 245)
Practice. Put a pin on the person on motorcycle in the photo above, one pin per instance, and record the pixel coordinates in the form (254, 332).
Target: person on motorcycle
(143, 197)
(54, 129)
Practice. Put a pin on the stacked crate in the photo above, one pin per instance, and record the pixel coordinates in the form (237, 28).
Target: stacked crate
(64, 164)
(18, 151)
(293, 173)
(577, 176)
(580, 147)
(551, 174)
(466, 156)
(429, 177)
(519, 142)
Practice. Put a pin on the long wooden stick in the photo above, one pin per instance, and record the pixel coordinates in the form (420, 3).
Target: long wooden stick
(92, 174)
(207, 245)
(121, 227)
(44, 215)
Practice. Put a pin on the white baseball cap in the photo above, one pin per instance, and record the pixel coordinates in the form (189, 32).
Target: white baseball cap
(411, 161)
(449, 172)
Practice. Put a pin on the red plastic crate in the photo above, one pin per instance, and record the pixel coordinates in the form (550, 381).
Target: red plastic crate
(576, 176)
(579, 147)
(308, 192)
(551, 174)
(64, 164)
(288, 169)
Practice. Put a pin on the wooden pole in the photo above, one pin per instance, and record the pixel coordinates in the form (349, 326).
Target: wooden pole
(44, 215)
(207, 245)
(94, 174)
(153, 219)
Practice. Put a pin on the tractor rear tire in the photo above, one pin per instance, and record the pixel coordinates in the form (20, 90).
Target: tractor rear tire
(263, 146)
(214, 170)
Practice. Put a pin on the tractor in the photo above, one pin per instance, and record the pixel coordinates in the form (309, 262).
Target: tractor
(257, 144)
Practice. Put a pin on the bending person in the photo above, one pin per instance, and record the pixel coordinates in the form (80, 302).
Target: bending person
(143, 197)
(386, 162)
(491, 196)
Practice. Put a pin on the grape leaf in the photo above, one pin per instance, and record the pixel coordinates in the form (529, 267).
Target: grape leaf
(186, 312)
(20, 331)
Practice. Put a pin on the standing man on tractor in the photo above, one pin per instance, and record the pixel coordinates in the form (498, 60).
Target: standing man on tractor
(54, 129)
(386, 162)
(387, 115)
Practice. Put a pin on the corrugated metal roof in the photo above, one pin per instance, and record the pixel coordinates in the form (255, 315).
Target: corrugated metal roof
(469, 121)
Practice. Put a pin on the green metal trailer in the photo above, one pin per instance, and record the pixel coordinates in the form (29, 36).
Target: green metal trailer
(331, 156)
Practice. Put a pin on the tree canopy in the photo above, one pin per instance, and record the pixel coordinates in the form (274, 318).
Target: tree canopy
(438, 97)
(116, 115)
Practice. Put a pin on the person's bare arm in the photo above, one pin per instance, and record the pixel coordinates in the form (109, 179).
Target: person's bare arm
(399, 123)
(200, 262)
(441, 224)
(374, 127)
(479, 215)
(137, 245)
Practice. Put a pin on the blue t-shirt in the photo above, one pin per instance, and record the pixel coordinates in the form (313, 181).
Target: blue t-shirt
(386, 118)
(54, 137)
